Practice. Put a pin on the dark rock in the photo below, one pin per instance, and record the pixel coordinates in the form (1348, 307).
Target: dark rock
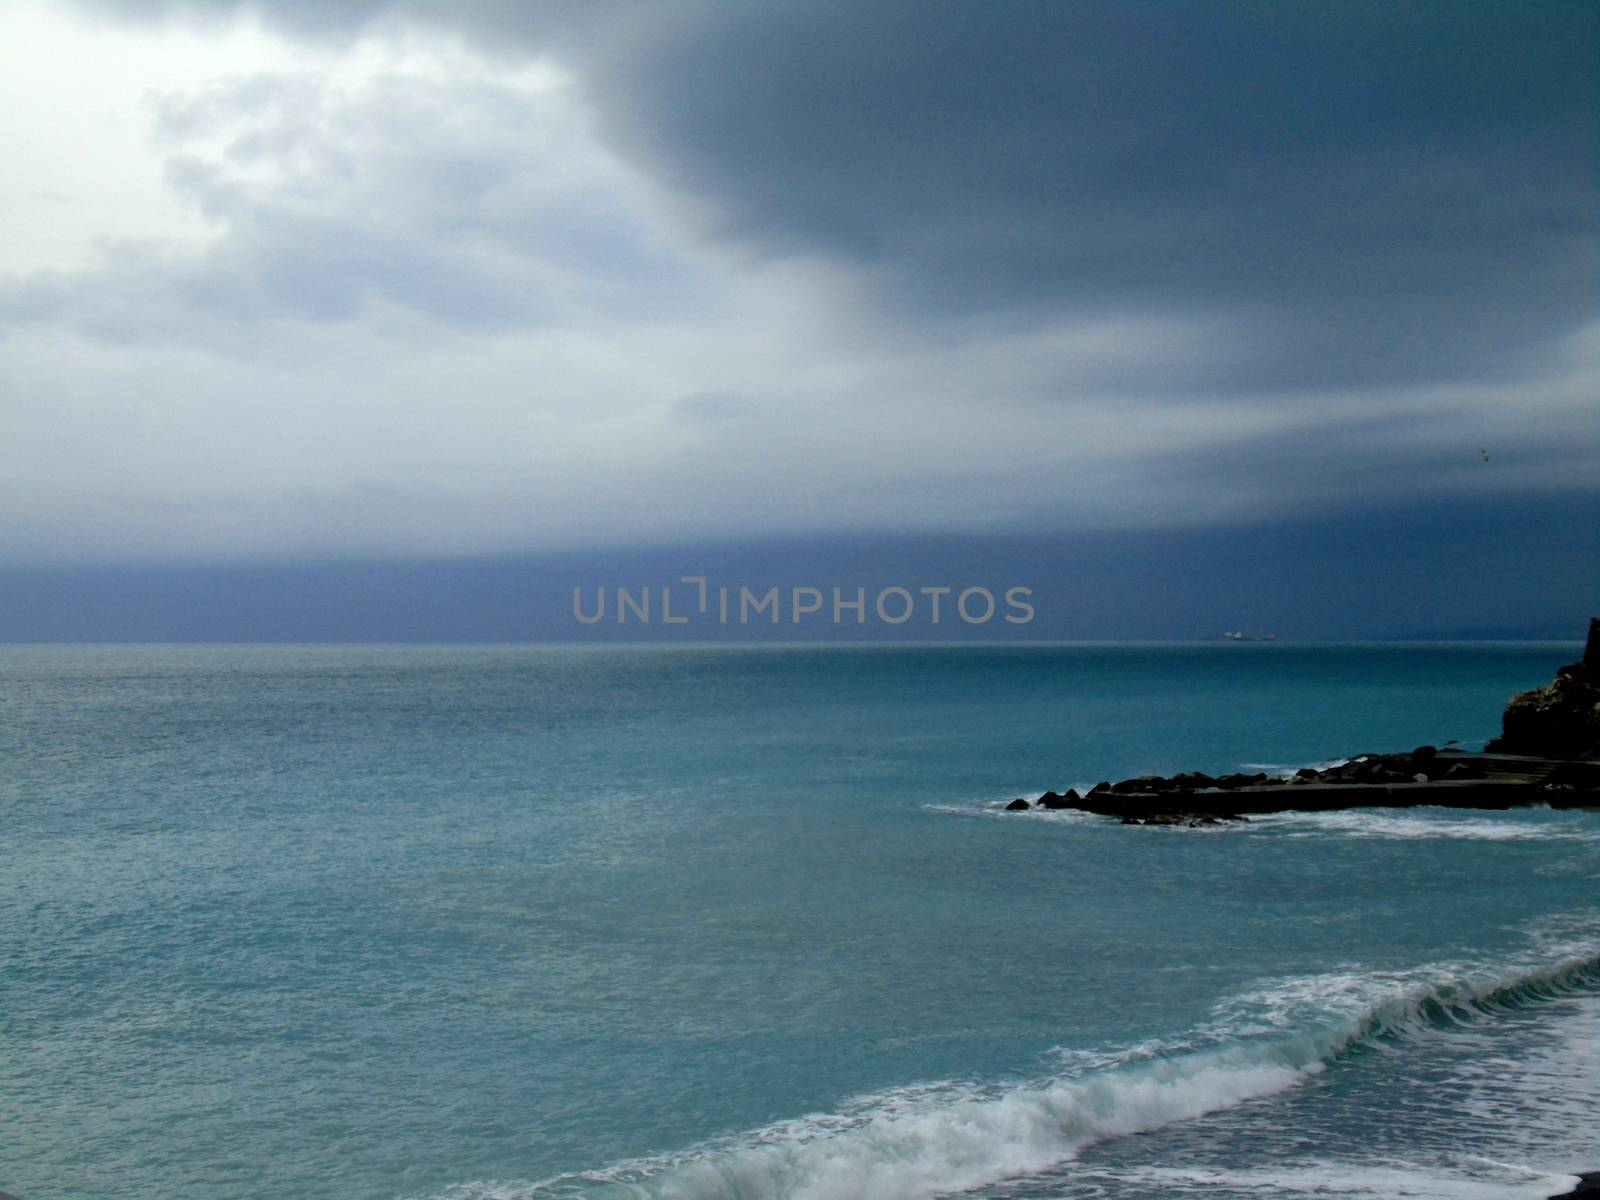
(1574, 776)
(1305, 773)
(1589, 1183)
(1053, 800)
(1142, 783)
(1423, 752)
(1193, 780)
(1560, 719)
(1018, 805)
(1239, 781)
(1184, 820)
(1102, 786)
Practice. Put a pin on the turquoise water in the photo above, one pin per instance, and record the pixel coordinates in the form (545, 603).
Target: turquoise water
(514, 922)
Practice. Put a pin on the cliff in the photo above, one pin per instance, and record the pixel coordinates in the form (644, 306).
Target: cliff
(1560, 719)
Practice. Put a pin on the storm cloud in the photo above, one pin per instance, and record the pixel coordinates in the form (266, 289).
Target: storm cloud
(509, 278)
(1384, 191)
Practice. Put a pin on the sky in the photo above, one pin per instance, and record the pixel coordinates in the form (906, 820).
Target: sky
(413, 317)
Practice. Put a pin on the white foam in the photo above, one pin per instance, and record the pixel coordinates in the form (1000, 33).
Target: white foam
(939, 1138)
(945, 1138)
(1374, 823)
(1398, 1181)
(997, 808)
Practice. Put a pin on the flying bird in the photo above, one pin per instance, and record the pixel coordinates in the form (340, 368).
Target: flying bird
(1483, 454)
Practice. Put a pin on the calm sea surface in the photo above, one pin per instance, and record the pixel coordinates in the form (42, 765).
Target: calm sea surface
(473, 922)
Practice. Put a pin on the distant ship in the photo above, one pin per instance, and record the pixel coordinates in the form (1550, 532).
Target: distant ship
(1241, 635)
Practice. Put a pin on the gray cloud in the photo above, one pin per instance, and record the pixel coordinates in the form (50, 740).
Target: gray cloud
(1376, 191)
(780, 268)
(1379, 191)
(472, 206)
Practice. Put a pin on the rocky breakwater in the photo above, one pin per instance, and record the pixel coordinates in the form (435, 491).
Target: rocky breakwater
(1547, 754)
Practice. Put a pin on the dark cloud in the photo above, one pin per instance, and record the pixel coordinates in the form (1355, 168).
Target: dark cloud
(824, 268)
(1373, 190)
(1380, 190)
(1391, 460)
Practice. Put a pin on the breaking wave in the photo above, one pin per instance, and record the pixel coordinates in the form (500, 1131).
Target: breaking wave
(944, 1138)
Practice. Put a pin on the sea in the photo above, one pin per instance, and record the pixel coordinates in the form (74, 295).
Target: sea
(751, 923)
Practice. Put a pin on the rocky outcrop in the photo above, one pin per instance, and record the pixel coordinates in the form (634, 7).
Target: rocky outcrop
(1588, 1185)
(1052, 800)
(1562, 718)
(1548, 755)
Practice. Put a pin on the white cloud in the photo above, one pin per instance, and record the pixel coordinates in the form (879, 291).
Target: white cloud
(75, 128)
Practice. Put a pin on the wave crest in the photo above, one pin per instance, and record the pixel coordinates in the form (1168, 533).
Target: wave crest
(950, 1137)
